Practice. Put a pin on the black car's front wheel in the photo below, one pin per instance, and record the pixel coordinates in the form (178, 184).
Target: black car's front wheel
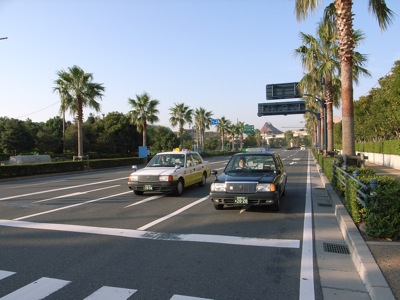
(275, 206)
(218, 206)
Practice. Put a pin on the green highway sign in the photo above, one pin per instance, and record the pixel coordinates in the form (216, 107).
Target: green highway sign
(248, 129)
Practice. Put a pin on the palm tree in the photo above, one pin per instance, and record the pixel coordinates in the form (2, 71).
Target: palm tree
(202, 122)
(321, 59)
(144, 112)
(231, 131)
(180, 115)
(223, 124)
(77, 90)
(239, 131)
(344, 24)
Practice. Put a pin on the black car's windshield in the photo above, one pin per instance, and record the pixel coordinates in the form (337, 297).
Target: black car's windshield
(250, 163)
(167, 160)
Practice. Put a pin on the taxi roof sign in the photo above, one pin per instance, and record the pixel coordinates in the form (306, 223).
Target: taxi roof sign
(255, 150)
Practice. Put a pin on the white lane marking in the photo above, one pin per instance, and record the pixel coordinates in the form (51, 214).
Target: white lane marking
(61, 189)
(144, 227)
(69, 206)
(145, 200)
(18, 186)
(37, 290)
(5, 274)
(150, 235)
(77, 193)
(108, 292)
(181, 297)
(307, 263)
(60, 197)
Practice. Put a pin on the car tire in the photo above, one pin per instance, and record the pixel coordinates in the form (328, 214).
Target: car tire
(139, 193)
(179, 188)
(218, 206)
(203, 180)
(275, 206)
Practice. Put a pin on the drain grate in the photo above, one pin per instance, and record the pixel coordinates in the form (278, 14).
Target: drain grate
(325, 204)
(336, 248)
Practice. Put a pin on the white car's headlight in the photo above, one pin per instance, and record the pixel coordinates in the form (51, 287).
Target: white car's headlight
(265, 187)
(169, 178)
(218, 187)
(133, 177)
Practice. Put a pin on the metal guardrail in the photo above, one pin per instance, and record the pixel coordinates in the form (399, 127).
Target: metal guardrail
(363, 191)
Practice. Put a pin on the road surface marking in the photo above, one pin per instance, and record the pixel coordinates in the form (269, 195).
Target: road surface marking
(37, 290)
(307, 262)
(140, 234)
(145, 200)
(151, 224)
(60, 189)
(108, 292)
(69, 206)
(77, 193)
(5, 274)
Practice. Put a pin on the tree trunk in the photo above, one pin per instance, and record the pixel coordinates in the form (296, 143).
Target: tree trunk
(144, 134)
(80, 129)
(346, 46)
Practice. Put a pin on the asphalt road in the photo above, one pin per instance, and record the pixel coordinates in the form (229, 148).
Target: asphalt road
(86, 236)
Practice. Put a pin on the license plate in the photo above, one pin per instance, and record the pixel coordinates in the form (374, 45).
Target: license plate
(241, 200)
(148, 187)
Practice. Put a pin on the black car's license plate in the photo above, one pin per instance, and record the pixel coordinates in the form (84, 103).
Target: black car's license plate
(148, 187)
(240, 199)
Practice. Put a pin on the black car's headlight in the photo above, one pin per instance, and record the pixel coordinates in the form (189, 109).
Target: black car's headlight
(218, 187)
(266, 187)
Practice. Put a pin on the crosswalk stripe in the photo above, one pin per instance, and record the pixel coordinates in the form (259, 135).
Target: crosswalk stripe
(4, 274)
(180, 297)
(37, 290)
(108, 292)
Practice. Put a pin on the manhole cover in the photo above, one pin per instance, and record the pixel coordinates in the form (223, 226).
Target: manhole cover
(336, 248)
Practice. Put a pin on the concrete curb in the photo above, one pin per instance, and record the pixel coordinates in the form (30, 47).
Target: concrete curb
(362, 258)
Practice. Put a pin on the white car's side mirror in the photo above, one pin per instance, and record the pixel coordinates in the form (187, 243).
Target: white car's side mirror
(134, 168)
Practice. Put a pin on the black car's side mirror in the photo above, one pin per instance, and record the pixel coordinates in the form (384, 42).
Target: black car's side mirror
(214, 172)
(277, 172)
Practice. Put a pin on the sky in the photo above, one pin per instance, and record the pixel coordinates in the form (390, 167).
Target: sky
(215, 54)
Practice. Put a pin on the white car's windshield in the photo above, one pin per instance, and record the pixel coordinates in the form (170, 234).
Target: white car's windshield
(167, 160)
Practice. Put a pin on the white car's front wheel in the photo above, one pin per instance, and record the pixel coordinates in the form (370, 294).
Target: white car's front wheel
(203, 180)
(179, 188)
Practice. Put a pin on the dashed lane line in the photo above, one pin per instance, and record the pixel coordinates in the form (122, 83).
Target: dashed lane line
(60, 189)
(77, 193)
(69, 206)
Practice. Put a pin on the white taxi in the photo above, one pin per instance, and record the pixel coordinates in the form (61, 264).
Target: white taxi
(170, 172)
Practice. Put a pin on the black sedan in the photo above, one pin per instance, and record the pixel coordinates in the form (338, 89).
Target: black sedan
(250, 179)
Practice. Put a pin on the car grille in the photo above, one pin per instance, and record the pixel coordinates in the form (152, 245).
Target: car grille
(147, 178)
(241, 187)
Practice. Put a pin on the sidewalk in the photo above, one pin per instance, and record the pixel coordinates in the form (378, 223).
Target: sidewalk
(348, 269)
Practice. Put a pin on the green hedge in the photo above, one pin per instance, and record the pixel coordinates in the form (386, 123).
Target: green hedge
(382, 211)
(10, 171)
(385, 147)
